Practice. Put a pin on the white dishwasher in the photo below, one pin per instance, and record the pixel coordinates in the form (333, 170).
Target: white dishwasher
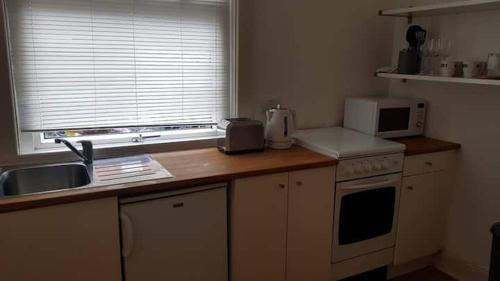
(178, 236)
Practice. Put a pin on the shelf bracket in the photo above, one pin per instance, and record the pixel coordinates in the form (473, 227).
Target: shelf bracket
(410, 18)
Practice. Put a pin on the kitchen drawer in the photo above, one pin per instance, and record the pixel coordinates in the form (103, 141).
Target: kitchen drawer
(428, 163)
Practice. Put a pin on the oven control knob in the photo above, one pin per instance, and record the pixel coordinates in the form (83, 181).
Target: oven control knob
(358, 168)
(385, 165)
(347, 171)
(367, 167)
(376, 166)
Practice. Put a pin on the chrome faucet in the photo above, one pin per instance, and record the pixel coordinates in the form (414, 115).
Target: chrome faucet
(87, 154)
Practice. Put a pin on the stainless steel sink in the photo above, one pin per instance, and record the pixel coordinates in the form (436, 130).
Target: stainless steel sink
(44, 178)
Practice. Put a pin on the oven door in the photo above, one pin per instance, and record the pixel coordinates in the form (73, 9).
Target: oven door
(365, 216)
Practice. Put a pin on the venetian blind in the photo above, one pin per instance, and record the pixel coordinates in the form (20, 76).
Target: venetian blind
(80, 64)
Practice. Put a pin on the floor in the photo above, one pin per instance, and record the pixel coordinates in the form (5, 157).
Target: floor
(427, 274)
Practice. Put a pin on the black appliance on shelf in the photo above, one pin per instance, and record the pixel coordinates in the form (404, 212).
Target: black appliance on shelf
(409, 58)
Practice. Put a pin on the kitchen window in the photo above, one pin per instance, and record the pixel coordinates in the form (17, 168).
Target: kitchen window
(120, 72)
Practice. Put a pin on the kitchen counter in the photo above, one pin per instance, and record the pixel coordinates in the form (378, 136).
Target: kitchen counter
(190, 168)
(422, 145)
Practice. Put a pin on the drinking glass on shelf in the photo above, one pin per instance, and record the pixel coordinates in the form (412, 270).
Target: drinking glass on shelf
(444, 48)
(433, 59)
(426, 53)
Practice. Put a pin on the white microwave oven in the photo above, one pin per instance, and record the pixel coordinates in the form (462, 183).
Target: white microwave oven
(385, 117)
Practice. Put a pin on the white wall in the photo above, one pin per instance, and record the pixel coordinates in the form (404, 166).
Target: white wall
(469, 115)
(310, 54)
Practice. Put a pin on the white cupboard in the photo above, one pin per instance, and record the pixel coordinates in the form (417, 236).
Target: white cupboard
(310, 220)
(76, 241)
(258, 228)
(423, 206)
(281, 226)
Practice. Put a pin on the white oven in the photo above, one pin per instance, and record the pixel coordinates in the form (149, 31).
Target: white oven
(385, 117)
(365, 218)
(367, 191)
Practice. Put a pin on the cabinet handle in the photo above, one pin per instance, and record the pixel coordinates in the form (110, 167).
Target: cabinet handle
(128, 235)
(282, 186)
(428, 163)
(299, 183)
(409, 187)
(178, 205)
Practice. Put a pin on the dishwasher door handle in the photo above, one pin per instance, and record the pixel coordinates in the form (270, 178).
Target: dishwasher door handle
(127, 235)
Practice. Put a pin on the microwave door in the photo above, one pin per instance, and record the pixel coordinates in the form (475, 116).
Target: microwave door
(395, 119)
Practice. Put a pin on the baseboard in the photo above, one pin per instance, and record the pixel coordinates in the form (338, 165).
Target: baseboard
(397, 270)
(460, 269)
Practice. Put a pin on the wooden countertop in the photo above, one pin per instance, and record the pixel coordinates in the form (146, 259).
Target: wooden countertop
(190, 168)
(422, 145)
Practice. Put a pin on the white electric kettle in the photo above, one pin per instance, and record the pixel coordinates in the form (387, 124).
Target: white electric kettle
(279, 128)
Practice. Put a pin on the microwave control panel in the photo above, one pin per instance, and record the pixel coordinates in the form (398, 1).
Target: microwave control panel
(420, 115)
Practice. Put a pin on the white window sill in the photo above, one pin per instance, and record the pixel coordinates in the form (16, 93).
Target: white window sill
(146, 146)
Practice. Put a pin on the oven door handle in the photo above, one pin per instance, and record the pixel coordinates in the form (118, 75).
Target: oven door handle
(369, 185)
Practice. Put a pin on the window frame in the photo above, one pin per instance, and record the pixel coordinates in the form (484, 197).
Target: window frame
(32, 143)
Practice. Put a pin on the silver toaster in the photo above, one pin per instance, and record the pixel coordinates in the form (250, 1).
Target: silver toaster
(242, 135)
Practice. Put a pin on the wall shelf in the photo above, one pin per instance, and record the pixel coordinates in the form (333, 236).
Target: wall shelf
(473, 81)
(443, 8)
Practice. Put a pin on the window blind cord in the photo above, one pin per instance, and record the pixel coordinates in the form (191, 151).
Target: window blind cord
(93, 59)
(30, 11)
(135, 65)
(182, 57)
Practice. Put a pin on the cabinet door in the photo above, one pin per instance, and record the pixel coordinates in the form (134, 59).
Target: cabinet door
(258, 228)
(419, 228)
(77, 242)
(442, 181)
(310, 220)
